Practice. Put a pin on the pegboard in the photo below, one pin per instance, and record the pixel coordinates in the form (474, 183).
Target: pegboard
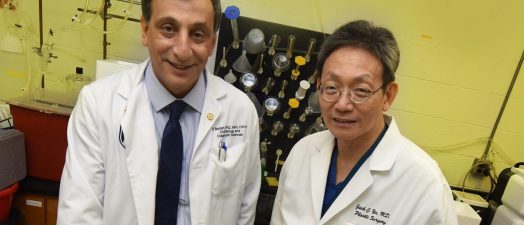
(301, 45)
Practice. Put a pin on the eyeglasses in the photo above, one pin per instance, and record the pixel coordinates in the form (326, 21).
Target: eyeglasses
(331, 93)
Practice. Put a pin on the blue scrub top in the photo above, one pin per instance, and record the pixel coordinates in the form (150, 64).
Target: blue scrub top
(332, 188)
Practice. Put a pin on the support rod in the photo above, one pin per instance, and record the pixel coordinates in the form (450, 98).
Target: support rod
(503, 107)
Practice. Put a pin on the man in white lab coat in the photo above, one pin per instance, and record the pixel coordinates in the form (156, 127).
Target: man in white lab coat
(361, 170)
(115, 131)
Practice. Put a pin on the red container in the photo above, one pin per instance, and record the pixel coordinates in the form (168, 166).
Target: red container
(6, 200)
(45, 137)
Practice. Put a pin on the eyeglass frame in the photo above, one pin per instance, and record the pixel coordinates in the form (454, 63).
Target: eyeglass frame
(349, 90)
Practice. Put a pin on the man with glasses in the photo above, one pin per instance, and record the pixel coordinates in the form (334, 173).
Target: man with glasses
(361, 170)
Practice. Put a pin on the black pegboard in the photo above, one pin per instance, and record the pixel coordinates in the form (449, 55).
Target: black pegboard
(303, 36)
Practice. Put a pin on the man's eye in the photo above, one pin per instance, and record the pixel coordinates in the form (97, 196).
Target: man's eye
(167, 28)
(198, 35)
(331, 90)
(362, 92)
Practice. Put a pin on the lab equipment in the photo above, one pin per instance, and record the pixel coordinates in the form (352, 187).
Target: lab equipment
(508, 197)
(232, 13)
(260, 63)
(230, 77)
(311, 79)
(311, 46)
(248, 81)
(307, 111)
(293, 104)
(465, 214)
(254, 41)
(277, 127)
(277, 161)
(313, 101)
(271, 104)
(282, 92)
(300, 61)
(275, 39)
(270, 82)
(302, 89)
(12, 157)
(316, 127)
(223, 61)
(290, 46)
(242, 64)
(293, 130)
(280, 63)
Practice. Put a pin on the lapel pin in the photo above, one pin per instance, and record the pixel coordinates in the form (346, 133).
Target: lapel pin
(210, 116)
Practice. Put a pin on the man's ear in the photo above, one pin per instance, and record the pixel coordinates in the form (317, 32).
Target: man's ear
(144, 27)
(389, 96)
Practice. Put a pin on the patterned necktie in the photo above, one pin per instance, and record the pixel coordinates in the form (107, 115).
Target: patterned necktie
(170, 168)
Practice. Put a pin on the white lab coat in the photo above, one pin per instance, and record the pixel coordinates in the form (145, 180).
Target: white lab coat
(398, 185)
(104, 182)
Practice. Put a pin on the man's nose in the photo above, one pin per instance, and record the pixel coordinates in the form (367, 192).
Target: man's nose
(182, 47)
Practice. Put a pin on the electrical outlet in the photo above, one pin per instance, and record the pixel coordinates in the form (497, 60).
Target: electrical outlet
(481, 167)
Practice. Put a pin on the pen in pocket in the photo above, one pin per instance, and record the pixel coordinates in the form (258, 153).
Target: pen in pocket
(222, 151)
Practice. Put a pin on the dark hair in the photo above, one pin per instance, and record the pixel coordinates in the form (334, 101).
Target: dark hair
(362, 34)
(146, 12)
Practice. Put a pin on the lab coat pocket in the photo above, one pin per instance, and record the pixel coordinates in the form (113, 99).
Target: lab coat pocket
(229, 174)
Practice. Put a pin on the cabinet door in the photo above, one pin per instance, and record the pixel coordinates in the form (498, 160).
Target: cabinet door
(51, 210)
(31, 207)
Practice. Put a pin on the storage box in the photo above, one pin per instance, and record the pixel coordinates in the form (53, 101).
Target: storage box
(466, 215)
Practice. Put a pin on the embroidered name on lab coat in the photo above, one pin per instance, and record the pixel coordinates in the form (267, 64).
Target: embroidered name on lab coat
(372, 214)
(230, 131)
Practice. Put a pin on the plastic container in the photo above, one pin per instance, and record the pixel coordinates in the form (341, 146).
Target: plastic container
(513, 196)
(505, 216)
(6, 200)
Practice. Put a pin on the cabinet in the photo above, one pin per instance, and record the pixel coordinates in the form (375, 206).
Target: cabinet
(36, 209)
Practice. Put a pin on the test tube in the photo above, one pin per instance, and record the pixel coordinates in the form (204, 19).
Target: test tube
(312, 43)
(232, 13)
(223, 61)
(275, 39)
(313, 78)
(260, 64)
(270, 82)
(277, 162)
(290, 45)
(282, 92)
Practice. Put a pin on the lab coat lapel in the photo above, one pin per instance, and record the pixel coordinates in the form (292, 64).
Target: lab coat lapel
(141, 147)
(358, 184)
(210, 111)
(319, 170)
(382, 159)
